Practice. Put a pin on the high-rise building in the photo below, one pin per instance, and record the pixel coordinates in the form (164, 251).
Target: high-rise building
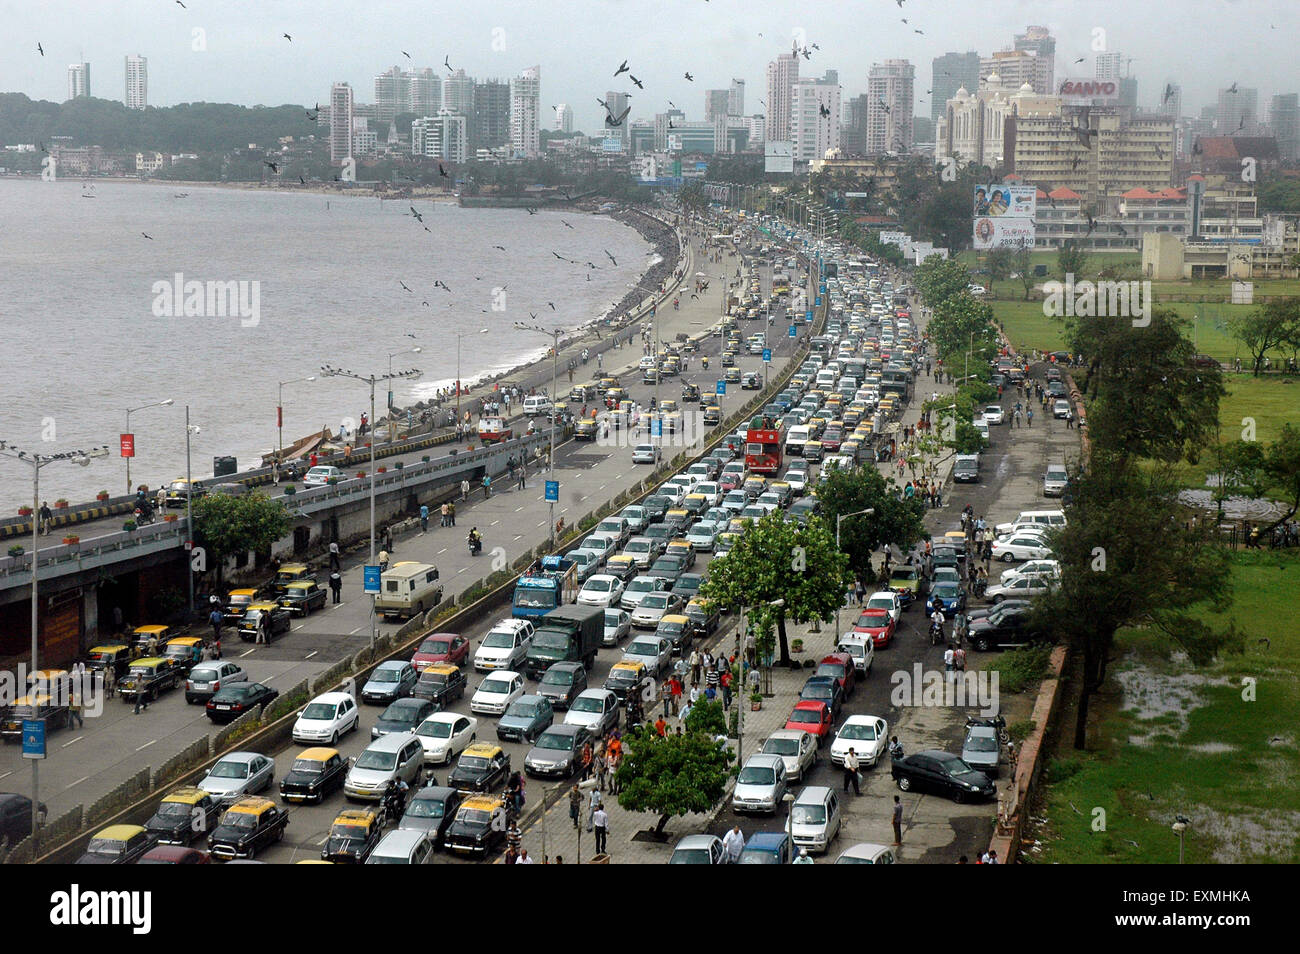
(1037, 40)
(1018, 67)
(341, 119)
(736, 98)
(1110, 65)
(564, 118)
(525, 113)
(890, 101)
(815, 117)
(1238, 110)
(949, 73)
(389, 94)
(491, 114)
(137, 82)
(1284, 120)
(853, 135)
(716, 103)
(757, 127)
(422, 92)
(615, 103)
(458, 93)
(441, 137)
(782, 74)
(79, 81)
(1170, 101)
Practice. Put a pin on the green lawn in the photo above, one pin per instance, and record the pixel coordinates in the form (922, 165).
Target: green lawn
(1204, 747)
(1268, 402)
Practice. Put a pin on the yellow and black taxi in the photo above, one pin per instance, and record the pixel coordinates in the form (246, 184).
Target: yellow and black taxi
(315, 773)
(481, 767)
(290, 573)
(677, 629)
(247, 827)
(782, 489)
(441, 683)
(302, 596)
(118, 845)
(149, 640)
(607, 383)
(180, 489)
(236, 603)
(677, 519)
(52, 708)
(753, 487)
(185, 651)
(695, 504)
(152, 674)
(585, 429)
(622, 566)
(277, 620)
(690, 393)
(704, 615)
(681, 547)
(114, 657)
(712, 415)
(614, 395)
(479, 826)
(814, 450)
(732, 375)
(183, 815)
(628, 676)
(353, 836)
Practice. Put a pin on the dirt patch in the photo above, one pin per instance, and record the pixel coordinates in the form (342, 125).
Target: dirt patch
(1163, 700)
(1244, 836)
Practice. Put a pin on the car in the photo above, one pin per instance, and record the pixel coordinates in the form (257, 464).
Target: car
(601, 590)
(1005, 626)
(380, 764)
(525, 719)
(586, 562)
(944, 574)
(867, 735)
(878, 623)
(505, 646)
(481, 767)
(812, 716)
(431, 809)
(993, 414)
(444, 735)
(678, 629)
(825, 689)
(562, 682)
(839, 666)
(183, 815)
(174, 855)
(797, 749)
(941, 773)
(621, 566)
(478, 826)
(672, 565)
(279, 619)
(615, 527)
(314, 775)
(326, 718)
(643, 550)
(703, 536)
(353, 835)
(639, 589)
(626, 678)
(303, 596)
(557, 753)
(815, 818)
(441, 647)
(496, 692)
(248, 826)
(404, 847)
(236, 775)
(697, 850)
(402, 715)
(1020, 546)
(654, 606)
(950, 595)
(704, 615)
(1055, 480)
(150, 675)
(320, 475)
(118, 845)
(731, 375)
(907, 582)
(1048, 568)
(1061, 407)
(768, 848)
(206, 678)
(889, 601)
(388, 681)
(654, 651)
(230, 702)
(980, 749)
(1022, 586)
(618, 623)
(596, 710)
(865, 853)
(760, 785)
(185, 651)
(441, 684)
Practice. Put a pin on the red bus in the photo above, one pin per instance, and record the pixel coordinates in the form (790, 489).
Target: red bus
(763, 451)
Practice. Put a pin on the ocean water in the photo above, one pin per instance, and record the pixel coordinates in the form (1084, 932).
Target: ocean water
(98, 318)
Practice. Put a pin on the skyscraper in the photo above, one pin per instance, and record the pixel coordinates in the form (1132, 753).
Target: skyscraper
(137, 82)
(564, 118)
(422, 92)
(890, 100)
(782, 74)
(949, 73)
(388, 94)
(341, 117)
(1284, 119)
(815, 117)
(1237, 111)
(615, 103)
(716, 103)
(736, 98)
(78, 81)
(853, 137)
(525, 109)
(458, 93)
(491, 114)
(1037, 39)
(1017, 67)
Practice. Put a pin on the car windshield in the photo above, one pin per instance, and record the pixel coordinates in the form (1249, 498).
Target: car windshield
(348, 831)
(525, 709)
(230, 770)
(473, 817)
(435, 730)
(499, 640)
(426, 808)
(176, 809)
(756, 775)
(555, 741)
(588, 704)
(654, 601)
(858, 730)
(106, 847)
(496, 687)
(637, 546)
(557, 677)
(403, 710)
(808, 814)
(242, 820)
(597, 586)
(435, 646)
(384, 675)
(781, 747)
(643, 649)
(380, 761)
(981, 743)
(429, 678)
(472, 762)
(529, 598)
(691, 856)
(805, 716)
(880, 602)
(642, 586)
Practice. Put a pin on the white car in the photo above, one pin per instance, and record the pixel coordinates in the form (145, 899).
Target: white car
(886, 600)
(618, 623)
(798, 749)
(601, 590)
(326, 718)
(505, 646)
(1020, 587)
(320, 475)
(495, 693)
(867, 735)
(602, 544)
(710, 491)
(445, 735)
(1020, 546)
(1050, 568)
(993, 414)
(866, 853)
(1060, 408)
(797, 479)
(637, 590)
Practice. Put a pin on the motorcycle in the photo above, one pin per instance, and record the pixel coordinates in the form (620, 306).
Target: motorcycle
(997, 722)
(936, 634)
(475, 545)
(144, 515)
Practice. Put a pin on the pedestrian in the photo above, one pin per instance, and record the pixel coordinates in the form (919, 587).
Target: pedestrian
(141, 697)
(46, 517)
(990, 857)
(725, 682)
(587, 757)
(336, 585)
(733, 843)
(443, 511)
(424, 518)
(575, 805)
(612, 758)
(451, 512)
(601, 822)
(851, 773)
(592, 805)
(75, 708)
(686, 713)
(948, 659)
(215, 618)
(264, 629)
(487, 487)
(334, 556)
(661, 727)
(383, 560)
(695, 668)
(804, 858)
(464, 489)
(959, 659)
(676, 685)
(514, 840)
(898, 821)
(523, 858)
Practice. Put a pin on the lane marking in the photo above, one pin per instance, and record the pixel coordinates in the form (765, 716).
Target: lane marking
(73, 741)
(442, 551)
(355, 631)
(462, 569)
(494, 523)
(312, 653)
(66, 787)
(247, 652)
(146, 745)
(517, 509)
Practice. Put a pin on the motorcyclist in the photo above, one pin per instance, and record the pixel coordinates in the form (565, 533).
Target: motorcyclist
(475, 541)
(395, 799)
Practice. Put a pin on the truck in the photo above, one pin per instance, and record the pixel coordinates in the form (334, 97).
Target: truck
(494, 429)
(566, 634)
(541, 590)
(407, 589)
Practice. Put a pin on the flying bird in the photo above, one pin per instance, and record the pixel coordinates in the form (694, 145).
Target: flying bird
(636, 81)
(821, 108)
(1092, 224)
(287, 37)
(405, 54)
(40, 49)
(806, 54)
(1169, 91)
(1232, 88)
(611, 257)
(559, 256)
(622, 68)
(552, 304)
(689, 77)
(302, 181)
(502, 247)
(43, 149)
(147, 235)
(904, 19)
(816, 47)
(566, 224)
(418, 216)
(612, 120)
(181, 5)
(900, 3)
(442, 172)
(271, 165)
(446, 61)
(531, 211)
(922, 32)
(674, 105)
(1080, 59)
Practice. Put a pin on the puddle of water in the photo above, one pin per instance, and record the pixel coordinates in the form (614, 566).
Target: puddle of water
(1234, 508)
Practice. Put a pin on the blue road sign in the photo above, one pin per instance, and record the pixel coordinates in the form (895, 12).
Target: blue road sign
(794, 331)
(767, 354)
(818, 301)
(370, 579)
(553, 491)
(33, 738)
(722, 387)
(657, 427)
(807, 315)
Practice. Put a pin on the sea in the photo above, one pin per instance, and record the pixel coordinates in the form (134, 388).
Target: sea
(117, 295)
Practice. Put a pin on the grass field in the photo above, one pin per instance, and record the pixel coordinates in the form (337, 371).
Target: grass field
(1200, 743)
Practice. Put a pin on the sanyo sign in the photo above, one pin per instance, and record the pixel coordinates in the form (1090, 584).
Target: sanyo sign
(1088, 91)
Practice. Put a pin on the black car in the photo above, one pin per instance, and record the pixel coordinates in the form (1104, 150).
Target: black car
(941, 773)
(480, 769)
(562, 682)
(987, 611)
(656, 506)
(315, 774)
(16, 816)
(114, 851)
(824, 689)
(1005, 626)
(669, 567)
(945, 556)
(303, 597)
(687, 586)
(477, 828)
(247, 827)
(441, 686)
(352, 837)
(404, 715)
(183, 815)
(432, 809)
(525, 719)
(231, 701)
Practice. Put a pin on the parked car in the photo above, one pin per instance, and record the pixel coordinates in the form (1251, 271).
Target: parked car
(941, 773)
(815, 818)
(760, 784)
(812, 716)
(865, 853)
(697, 850)
(768, 848)
(980, 749)
(867, 735)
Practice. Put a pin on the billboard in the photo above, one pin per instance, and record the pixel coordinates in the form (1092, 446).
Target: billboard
(778, 156)
(1010, 201)
(894, 238)
(1088, 92)
(1003, 232)
(611, 144)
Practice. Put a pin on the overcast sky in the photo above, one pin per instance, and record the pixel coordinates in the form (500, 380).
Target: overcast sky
(1202, 44)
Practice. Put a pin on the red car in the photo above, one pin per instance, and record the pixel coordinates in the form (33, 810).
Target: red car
(174, 855)
(840, 667)
(729, 482)
(812, 717)
(441, 647)
(878, 624)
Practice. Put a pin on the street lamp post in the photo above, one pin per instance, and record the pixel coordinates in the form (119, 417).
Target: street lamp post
(839, 518)
(189, 510)
(36, 462)
(391, 428)
(279, 413)
(459, 335)
(129, 412)
(550, 461)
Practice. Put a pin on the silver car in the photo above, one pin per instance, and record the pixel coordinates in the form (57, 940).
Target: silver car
(980, 750)
(383, 761)
(618, 623)
(760, 785)
(654, 651)
(798, 749)
(237, 775)
(596, 710)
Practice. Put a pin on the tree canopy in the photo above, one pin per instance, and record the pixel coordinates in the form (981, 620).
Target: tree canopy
(226, 525)
(896, 521)
(673, 774)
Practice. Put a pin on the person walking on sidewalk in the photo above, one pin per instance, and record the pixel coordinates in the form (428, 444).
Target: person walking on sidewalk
(215, 618)
(45, 517)
(336, 585)
(600, 822)
(898, 821)
(464, 489)
(443, 511)
(733, 843)
(451, 513)
(851, 772)
(575, 805)
(424, 518)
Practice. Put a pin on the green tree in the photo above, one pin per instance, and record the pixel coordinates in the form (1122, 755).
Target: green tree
(1275, 325)
(781, 560)
(1259, 470)
(692, 197)
(999, 262)
(958, 321)
(672, 775)
(938, 279)
(1025, 269)
(226, 525)
(1070, 260)
(896, 521)
(707, 717)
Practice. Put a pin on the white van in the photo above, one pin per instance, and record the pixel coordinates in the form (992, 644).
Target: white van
(404, 846)
(826, 379)
(861, 647)
(537, 404)
(815, 818)
(1054, 519)
(982, 426)
(795, 439)
(407, 589)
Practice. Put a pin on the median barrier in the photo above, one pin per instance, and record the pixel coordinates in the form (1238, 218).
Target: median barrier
(187, 758)
(117, 799)
(286, 702)
(237, 729)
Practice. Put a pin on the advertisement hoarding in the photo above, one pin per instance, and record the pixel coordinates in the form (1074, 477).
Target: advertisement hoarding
(1088, 92)
(1001, 199)
(1003, 232)
(778, 156)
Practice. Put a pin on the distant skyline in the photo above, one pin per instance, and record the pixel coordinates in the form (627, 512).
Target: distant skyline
(241, 56)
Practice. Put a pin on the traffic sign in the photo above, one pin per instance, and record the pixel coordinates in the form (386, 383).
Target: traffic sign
(794, 331)
(767, 354)
(33, 738)
(370, 579)
(722, 387)
(552, 491)
(818, 301)
(807, 315)
(657, 427)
